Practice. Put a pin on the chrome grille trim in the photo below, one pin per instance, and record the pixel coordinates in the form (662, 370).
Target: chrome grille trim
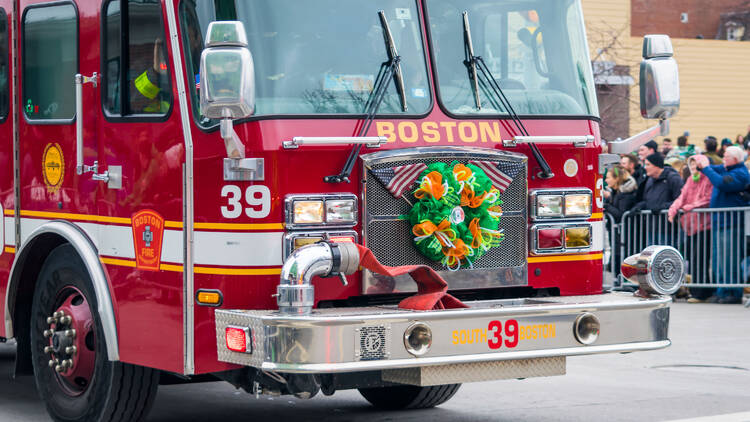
(502, 266)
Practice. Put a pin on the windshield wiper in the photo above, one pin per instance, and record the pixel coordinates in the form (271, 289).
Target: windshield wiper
(473, 63)
(388, 70)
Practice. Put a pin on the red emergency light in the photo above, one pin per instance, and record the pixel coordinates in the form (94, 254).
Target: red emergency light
(238, 339)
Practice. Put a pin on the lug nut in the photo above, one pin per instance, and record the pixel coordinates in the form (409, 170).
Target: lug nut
(70, 333)
(59, 368)
(52, 363)
(48, 349)
(67, 363)
(58, 314)
(51, 320)
(48, 333)
(66, 320)
(71, 350)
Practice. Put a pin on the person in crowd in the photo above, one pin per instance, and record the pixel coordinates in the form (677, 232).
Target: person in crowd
(666, 146)
(647, 149)
(620, 196)
(682, 150)
(728, 243)
(711, 145)
(663, 186)
(679, 165)
(696, 193)
(739, 140)
(631, 164)
(725, 143)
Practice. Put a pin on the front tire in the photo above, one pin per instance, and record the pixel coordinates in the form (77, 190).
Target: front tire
(408, 396)
(73, 376)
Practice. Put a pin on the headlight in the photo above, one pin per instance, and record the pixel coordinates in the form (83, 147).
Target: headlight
(341, 211)
(308, 212)
(304, 212)
(578, 205)
(549, 206)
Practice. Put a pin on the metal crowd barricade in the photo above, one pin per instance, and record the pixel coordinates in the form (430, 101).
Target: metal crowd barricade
(716, 250)
(611, 251)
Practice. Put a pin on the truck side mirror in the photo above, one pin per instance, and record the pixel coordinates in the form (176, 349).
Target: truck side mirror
(228, 85)
(659, 79)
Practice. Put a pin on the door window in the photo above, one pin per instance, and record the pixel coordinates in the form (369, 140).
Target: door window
(50, 61)
(135, 57)
(4, 85)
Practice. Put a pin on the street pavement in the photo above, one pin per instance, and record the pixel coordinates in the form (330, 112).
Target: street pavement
(704, 376)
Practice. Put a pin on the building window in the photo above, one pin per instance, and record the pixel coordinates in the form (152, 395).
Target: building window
(50, 61)
(135, 57)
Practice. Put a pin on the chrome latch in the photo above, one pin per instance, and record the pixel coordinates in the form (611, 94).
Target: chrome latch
(102, 177)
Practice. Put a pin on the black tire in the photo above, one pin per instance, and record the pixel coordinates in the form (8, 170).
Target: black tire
(116, 391)
(408, 396)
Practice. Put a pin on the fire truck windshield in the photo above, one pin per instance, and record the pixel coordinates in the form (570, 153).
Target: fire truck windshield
(319, 57)
(536, 51)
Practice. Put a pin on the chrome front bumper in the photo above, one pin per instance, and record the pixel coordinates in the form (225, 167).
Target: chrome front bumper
(372, 338)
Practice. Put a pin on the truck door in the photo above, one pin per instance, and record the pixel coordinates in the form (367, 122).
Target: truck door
(7, 196)
(140, 149)
(48, 46)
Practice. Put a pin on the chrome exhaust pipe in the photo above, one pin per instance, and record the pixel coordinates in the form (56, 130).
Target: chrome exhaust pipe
(295, 294)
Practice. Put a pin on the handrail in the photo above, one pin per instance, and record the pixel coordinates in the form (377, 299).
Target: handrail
(369, 141)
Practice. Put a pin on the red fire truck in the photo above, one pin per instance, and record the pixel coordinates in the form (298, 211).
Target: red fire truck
(298, 197)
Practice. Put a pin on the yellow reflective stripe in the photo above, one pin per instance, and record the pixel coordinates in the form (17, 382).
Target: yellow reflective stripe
(145, 87)
(10, 249)
(81, 217)
(564, 258)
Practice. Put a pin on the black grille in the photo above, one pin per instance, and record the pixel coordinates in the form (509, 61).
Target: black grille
(391, 239)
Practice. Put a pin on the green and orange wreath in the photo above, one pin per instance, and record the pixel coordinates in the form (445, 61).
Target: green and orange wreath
(456, 215)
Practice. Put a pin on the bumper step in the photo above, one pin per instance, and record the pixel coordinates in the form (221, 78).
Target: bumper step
(488, 333)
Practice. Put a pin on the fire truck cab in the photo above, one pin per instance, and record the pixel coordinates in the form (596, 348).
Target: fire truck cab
(240, 191)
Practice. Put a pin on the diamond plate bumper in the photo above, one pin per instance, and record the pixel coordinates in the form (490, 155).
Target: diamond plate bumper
(372, 338)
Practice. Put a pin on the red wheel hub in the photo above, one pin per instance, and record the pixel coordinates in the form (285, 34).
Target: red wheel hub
(71, 341)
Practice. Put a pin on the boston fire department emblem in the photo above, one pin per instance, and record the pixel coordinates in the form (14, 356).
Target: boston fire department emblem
(53, 167)
(148, 231)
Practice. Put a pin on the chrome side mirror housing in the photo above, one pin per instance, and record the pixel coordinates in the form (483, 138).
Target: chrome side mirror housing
(659, 79)
(227, 73)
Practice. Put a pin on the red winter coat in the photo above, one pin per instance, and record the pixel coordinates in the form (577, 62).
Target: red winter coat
(694, 195)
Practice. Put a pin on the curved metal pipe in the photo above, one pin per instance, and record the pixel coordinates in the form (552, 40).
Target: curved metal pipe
(295, 293)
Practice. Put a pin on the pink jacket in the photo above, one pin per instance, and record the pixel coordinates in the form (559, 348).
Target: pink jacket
(694, 195)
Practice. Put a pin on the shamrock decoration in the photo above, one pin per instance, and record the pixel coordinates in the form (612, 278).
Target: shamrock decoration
(456, 216)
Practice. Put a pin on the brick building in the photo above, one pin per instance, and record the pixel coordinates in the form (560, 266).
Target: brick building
(714, 76)
(682, 18)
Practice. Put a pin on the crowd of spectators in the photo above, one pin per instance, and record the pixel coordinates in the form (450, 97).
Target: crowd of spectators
(674, 180)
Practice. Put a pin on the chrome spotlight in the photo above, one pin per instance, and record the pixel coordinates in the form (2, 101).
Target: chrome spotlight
(657, 270)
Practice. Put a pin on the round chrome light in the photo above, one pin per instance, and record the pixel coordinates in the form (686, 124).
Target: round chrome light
(586, 328)
(667, 270)
(418, 339)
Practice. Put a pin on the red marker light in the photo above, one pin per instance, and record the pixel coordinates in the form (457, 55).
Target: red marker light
(163, 66)
(549, 239)
(237, 339)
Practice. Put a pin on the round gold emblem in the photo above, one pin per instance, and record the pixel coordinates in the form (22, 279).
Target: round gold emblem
(54, 167)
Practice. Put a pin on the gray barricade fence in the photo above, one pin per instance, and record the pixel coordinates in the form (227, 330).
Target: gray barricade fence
(713, 241)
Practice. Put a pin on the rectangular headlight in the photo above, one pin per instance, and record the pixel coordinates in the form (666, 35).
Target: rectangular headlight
(578, 205)
(308, 212)
(549, 206)
(341, 211)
